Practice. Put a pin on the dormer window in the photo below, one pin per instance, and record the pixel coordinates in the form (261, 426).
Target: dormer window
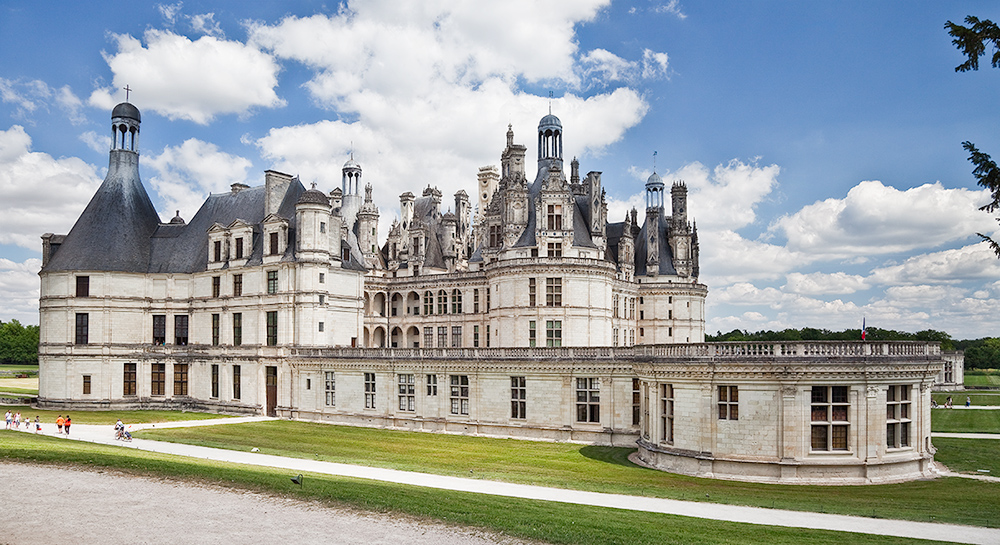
(239, 247)
(217, 251)
(273, 244)
(554, 217)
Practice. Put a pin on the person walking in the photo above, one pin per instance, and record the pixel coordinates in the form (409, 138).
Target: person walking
(38, 425)
(59, 423)
(66, 424)
(8, 418)
(968, 402)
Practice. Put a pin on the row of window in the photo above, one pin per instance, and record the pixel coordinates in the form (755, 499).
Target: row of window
(588, 398)
(181, 321)
(83, 284)
(158, 380)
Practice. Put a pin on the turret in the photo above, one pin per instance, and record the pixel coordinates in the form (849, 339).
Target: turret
(654, 211)
(368, 228)
(312, 221)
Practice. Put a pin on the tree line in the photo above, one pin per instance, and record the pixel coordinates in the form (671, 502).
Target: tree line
(18, 343)
(979, 353)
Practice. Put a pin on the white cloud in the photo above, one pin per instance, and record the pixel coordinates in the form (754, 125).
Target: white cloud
(673, 7)
(876, 219)
(819, 283)
(17, 92)
(19, 290)
(169, 12)
(605, 66)
(39, 193)
(972, 262)
(186, 174)
(100, 143)
(205, 23)
(193, 80)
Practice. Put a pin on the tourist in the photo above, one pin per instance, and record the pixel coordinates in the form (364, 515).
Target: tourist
(59, 424)
(38, 425)
(66, 424)
(968, 401)
(947, 404)
(8, 418)
(17, 420)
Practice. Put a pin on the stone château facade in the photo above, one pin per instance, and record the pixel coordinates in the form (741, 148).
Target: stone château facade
(535, 317)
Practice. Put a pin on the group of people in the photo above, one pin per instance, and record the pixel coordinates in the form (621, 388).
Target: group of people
(63, 424)
(13, 422)
(948, 405)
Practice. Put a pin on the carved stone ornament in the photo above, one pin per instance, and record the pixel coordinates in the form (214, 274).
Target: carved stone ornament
(873, 391)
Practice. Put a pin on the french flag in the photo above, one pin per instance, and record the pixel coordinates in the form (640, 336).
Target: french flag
(864, 329)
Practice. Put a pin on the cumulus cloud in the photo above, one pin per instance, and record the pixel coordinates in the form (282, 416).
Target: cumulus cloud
(605, 66)
(819, 283)
(39, 193)
(27, 96)
(193, 80)
(19, 290)
(186, 174)
(876, 219)
(972, 262)
(673, 7)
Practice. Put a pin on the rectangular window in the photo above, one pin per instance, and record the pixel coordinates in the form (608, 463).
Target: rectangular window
(86, 384)
(667, 412)
(158, 379)
(531, 292)
(237, 285)
(322, 227)
(729, 403)
(237, 328)
(432, 385)
(274, 243)
(532, 338)
(321, 326)
(442, 336)
(459, 394)
(636, 401)
(475, 336)
(128, 380)
(181, 330)
(518, 397)
(475, 301)
(272, 282)
(82, 328)
(272, 328)
(216, 319)
(456, 336)
(83, 286)
(553, 292)
(897, 417)
(237, 380)
(487, 299)
(554, 217)
(215, 380)
(239, 247)
(309, 384)
(829, 413)
(217, 251)
(555, 249)
(322, 278)
(428, 304)
(331, 389)
(407, 393)
(588, 400)
(369, 390)
(456, 302)
(180, 379)
(216, 285)
(442, 302)
(553, 333)
(428, 337)
(487, 336)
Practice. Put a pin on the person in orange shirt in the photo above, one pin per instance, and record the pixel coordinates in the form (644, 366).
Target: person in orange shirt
(66, 424)
(59, 423)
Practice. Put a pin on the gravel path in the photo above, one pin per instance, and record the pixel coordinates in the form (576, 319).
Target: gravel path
(58, 505)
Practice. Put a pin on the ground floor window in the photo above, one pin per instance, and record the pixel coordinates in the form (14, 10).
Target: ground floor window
(369, 390)
(432, 385)
(407, 393)
(331, 389)
(667, 412)
(636, 402)
(236, 382)
(830, 416)
(82, 328)
(86, 384)
(215, 380)
(128, 382)
(272, 328)
(729, 403)
(897, 417)
(158, 379)
(180, 379)
(459, 394)
(588, 400)
(518, 397)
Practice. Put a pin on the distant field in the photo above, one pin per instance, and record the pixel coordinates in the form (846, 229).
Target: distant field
(985, 379)
(22, 386)
(966, 421)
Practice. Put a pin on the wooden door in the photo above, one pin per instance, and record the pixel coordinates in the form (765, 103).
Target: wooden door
(271, 383)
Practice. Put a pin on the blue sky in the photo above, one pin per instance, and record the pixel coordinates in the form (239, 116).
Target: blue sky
(821, 142)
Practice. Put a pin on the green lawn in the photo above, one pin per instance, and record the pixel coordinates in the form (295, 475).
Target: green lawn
(985, 379)
(969, 455)
(601, 469)
(18, 369)
(109, 417)
(958, 398)
(965, 421)
(524, 519)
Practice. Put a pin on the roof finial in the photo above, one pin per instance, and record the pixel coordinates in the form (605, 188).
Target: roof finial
(654, 162)
(127, 90)
(550, 102)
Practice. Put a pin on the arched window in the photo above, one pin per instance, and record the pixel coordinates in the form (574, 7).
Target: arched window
(428, 303)
(442, 302)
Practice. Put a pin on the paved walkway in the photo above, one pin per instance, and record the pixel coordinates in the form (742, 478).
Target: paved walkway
(712, 511)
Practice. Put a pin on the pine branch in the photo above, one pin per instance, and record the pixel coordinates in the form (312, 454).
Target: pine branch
(987, 174)
(972, 41)
(993, 244)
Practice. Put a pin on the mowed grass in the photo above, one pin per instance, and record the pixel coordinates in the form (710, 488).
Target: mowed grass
(965, 421)
(109, 417)
(593, 468)
(969, 455)
(958, 398)
(984, 379)
(23, 386)
(525, 519)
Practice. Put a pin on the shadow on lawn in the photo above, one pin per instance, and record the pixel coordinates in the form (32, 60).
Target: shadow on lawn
(610, 455)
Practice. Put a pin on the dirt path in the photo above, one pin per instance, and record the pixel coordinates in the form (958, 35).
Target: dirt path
(57, 505)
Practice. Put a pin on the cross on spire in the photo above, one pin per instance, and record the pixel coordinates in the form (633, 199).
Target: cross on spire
(127, 90)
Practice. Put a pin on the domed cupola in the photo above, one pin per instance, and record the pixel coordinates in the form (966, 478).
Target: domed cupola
(314, 196)
(125, 121)
(654, 191)
(550, 138)
(352, 177)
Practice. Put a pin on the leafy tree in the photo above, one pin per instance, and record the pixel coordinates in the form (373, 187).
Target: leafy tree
(18, 344)
(972, 41)
(984, 354)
